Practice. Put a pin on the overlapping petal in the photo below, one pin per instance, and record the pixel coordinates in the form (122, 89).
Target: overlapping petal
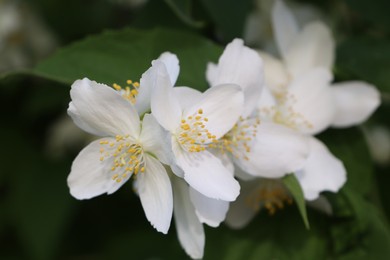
(313, 47)
(322, 171)
(285, 26)
(165, 106)
(355, 102)
(206, 173)
(154, 139)
(90, 177)
(155, 192)
(222, 106)
(276, 151)
(102, 110)
(189, 229)
(309, 105)
(209, 211)
(242, 66)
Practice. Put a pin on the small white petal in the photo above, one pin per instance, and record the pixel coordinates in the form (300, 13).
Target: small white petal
(209, 211)
(165, 106)
(242, 66)
(189, 229)
(102, 109)
(275, 73)
(355, 102)
(276, 151)
(90, 177)
(312, 102)
(172, 64)
(155, 192)
(187, 97)
(147, 84)
(241, 212)
(322, 171)
(312, 47)
(222, 105)
(155, 139)
(284, 25)
(267, 105)
(206, 173)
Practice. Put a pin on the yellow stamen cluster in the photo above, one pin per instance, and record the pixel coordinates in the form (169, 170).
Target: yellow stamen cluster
(193, 133)
(271, 195)
(130, 91)
(286, 114)
(237, 140)
(127, 157)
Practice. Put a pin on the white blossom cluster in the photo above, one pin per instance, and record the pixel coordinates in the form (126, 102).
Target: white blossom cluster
(219, 155)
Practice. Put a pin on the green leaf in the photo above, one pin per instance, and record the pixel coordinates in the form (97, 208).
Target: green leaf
(115, 56)
(292, 184)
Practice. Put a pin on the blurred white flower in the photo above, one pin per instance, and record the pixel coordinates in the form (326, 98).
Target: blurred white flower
(253, 144)
(24, 39)
(258, 29)
(378, 139)
(128, 148)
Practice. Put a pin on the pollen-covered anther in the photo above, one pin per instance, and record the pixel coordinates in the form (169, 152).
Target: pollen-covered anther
(129, 92)
(238, 140)
(127, 157)
(193, 134)
(271, 195)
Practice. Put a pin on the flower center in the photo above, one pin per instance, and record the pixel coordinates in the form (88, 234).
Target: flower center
(193, 134)
(238, 140)
(284, 113)
(129, 92)
(127, 157)
(287, 115)
(270, 194)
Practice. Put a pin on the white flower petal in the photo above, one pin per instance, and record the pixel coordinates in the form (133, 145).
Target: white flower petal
(275, 73)
(155, 192)
(312, 47)
(187, 97)
(311, 101)
(322, 171)
(172, 64)
(242, 66)
(155, 139)
(165, 106)
(240, 211)
(355, 102)
(147, 84)
(189, 229)
(284, 25)
(205, 173)
(222, 105)
(78, 121)
(267, 105)
(90, 177)
(209, 211)
(102, 109)
(276, 151)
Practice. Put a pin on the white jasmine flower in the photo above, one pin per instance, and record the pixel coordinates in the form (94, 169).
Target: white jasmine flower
(126, 149)
(194, 122)
(304, 52)
(258, 147)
